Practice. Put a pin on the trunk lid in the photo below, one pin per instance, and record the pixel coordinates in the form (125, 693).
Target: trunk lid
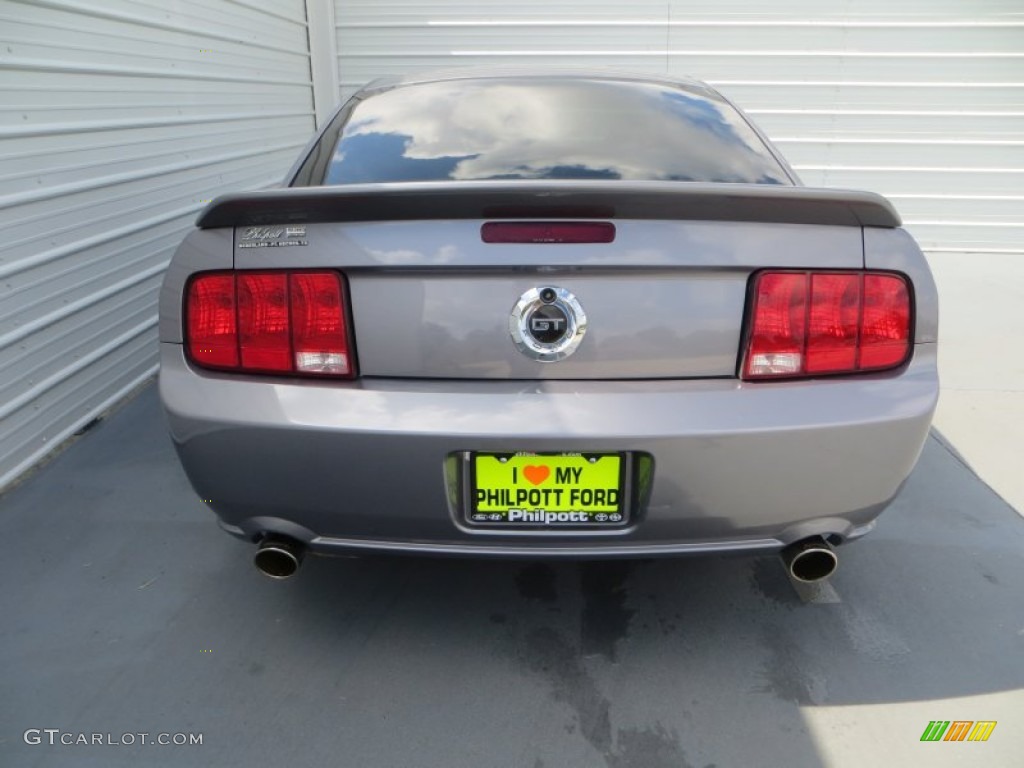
(665, 299)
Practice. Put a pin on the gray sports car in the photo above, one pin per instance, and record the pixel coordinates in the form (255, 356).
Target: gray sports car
(551, 315)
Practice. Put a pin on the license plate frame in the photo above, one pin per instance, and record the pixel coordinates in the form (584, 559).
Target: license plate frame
(590, 507)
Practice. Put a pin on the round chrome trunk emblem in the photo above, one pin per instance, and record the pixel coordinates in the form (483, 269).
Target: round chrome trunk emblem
(547, 324)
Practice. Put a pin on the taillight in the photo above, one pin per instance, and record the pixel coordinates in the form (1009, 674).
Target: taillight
(263, 322)
(269, 322)
(885, 322)
(212, 321)
(318, 321)
(816, 323)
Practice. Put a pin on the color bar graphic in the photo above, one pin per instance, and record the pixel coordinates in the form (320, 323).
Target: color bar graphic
(935, 730)
(958, 730)
(982, 730)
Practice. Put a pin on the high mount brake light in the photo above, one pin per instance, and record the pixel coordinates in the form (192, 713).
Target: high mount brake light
(269, 322)
(548, 232)
(813, 323)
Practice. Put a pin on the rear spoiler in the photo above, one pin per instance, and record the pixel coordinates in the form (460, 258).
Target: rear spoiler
(551, 199)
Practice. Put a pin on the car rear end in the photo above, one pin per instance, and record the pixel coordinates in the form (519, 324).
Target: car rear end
(546, 367)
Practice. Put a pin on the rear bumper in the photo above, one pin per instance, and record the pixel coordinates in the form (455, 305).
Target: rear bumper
(366, 465)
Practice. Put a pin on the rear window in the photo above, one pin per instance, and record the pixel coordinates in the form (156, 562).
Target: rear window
(468, 130)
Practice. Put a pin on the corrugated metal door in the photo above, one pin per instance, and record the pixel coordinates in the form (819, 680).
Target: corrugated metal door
(921, 100)
(118, 120)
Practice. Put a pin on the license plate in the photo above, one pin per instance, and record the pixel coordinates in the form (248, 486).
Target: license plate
(547, 490)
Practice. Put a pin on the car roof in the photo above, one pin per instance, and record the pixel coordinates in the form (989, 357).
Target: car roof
(534, 72)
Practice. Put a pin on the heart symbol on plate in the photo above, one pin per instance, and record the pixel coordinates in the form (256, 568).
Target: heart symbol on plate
(536, 475)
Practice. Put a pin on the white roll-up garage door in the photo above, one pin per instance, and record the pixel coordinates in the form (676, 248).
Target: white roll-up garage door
(921, 100)
(118, 119)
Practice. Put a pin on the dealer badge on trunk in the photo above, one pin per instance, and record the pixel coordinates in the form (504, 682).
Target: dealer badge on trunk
(547, 324)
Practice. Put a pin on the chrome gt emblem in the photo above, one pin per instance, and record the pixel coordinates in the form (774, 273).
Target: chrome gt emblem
(547, 324)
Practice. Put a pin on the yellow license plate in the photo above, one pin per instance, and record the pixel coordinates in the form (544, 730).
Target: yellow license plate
(564, 489)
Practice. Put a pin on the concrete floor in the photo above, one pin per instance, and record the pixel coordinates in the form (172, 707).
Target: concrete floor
(981, 409)
(126, 610)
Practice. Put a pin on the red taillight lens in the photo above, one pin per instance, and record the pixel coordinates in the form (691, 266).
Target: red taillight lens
(212, 321)
(318, 324)
(813, 323)
(263, 326)
(548, 232)
(779, 325)
(832, 331)
(885, 339)
(269, 322)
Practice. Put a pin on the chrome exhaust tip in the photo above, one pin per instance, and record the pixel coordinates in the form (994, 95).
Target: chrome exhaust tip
(810, 560)
(278, 557)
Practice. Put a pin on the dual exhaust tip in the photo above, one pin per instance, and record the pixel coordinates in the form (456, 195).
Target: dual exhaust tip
(279, 557)
(808, 560)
